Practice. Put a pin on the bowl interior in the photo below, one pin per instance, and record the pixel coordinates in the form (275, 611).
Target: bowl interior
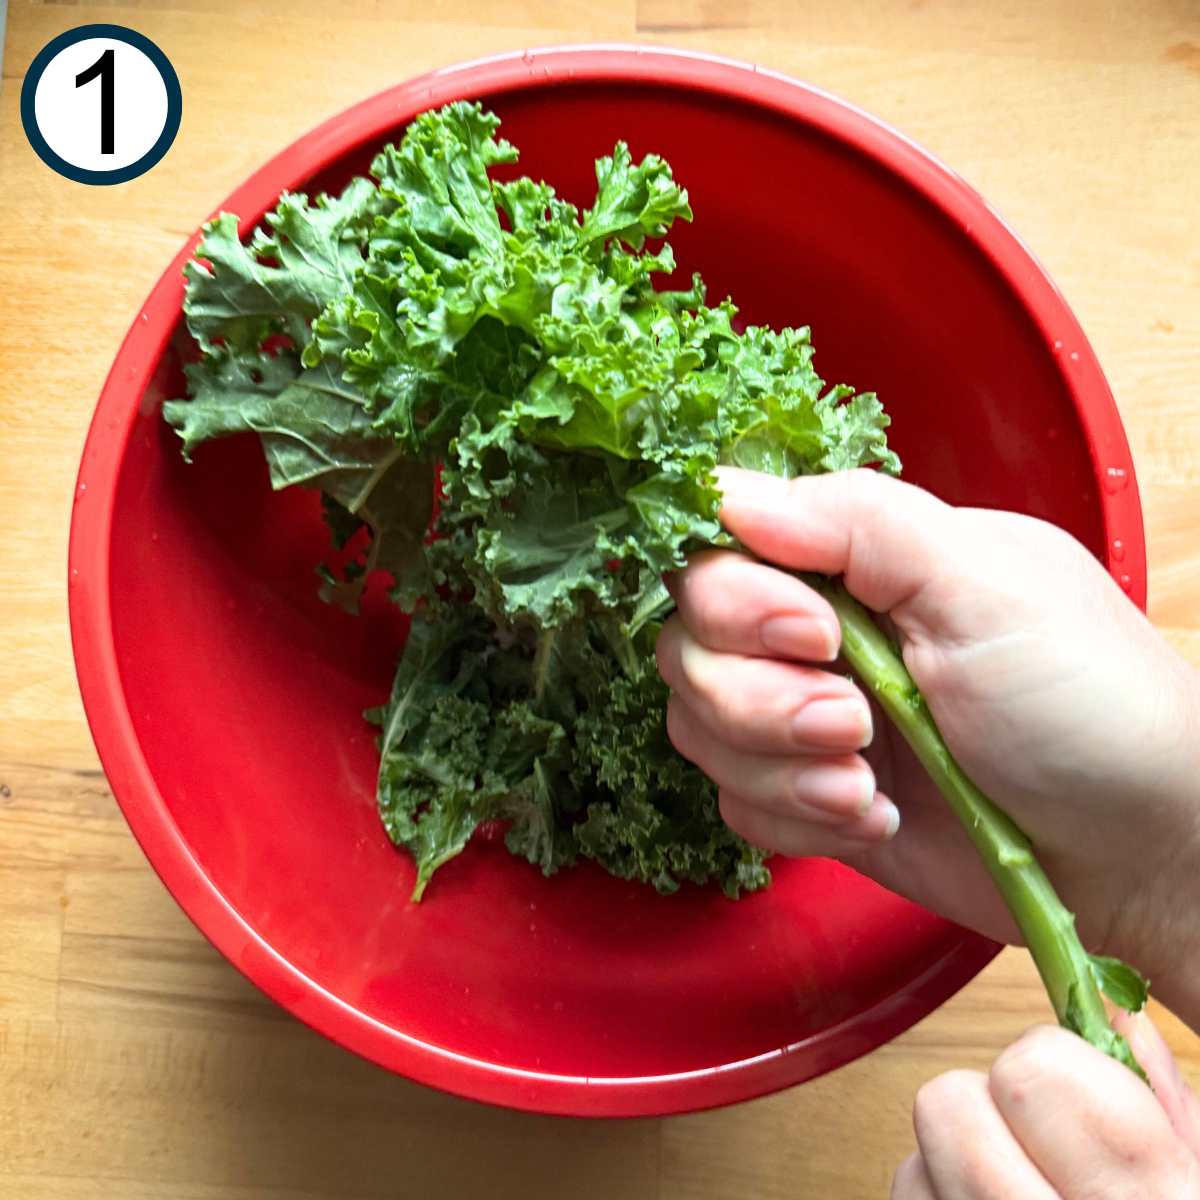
(246, 691)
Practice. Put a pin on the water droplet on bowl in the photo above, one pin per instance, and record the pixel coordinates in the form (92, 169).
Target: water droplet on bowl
(1126, 583)
(1118, 550)
(1057, 346)
(1074, 356)
(527, 58)
(79, 491)
(1115, 479)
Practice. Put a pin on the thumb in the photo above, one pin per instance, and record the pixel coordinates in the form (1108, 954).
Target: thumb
(1178, 1100)
(887, 538)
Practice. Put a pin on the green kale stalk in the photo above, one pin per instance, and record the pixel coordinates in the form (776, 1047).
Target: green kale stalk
(433, 319)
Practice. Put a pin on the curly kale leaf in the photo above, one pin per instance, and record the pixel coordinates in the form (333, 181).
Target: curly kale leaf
(659, 821)
(431, 317)
(453, 754)
(554, 739)
(315, 432)
(304, 256)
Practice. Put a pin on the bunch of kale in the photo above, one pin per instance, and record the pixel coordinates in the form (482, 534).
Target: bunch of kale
(434, 321)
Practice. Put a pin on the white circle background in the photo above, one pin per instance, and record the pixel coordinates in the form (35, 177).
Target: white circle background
(69, 116)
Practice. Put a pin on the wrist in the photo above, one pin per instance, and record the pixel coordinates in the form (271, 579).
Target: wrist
(1158, 926)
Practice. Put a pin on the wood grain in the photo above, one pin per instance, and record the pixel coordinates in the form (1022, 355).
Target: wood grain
(134, 1062)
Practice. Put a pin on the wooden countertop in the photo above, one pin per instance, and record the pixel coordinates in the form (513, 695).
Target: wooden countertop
(134, 1062)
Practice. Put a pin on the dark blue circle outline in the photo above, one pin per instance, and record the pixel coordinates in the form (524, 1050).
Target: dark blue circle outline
(130, 37)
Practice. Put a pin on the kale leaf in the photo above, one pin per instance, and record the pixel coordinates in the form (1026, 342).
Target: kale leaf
(431, 319)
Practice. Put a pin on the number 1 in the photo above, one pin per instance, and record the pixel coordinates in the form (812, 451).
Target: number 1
(103, 66)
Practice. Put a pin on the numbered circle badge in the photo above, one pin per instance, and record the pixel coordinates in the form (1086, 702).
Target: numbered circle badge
(101, 104)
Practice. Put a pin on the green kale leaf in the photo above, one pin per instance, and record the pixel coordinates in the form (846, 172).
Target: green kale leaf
(434, 320)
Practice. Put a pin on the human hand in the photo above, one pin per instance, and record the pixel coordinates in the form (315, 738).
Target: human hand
(1055, 1119)
(1054, 692)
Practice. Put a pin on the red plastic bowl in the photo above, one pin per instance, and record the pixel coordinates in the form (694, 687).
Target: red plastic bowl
(225, 699)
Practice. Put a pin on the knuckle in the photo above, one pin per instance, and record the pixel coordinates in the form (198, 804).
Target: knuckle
(871, 493)
(1034, 1058)
(702, 562)
(1139, 1156)
(1183, 1170)
(758, 827)
(694, 663)
(977, 1172)
(735, 712)
(733, 812)
(702, 591)
(1056, 540)
(839, 490)
(665, 650)
(941, 1095)
(866, 487)
(864, 477)
(712, 679)
(906, 1182)
(678, 726)
(1142, 1148)
(1152, 1169)
(927, 1103)
(793, 491)
(709, 616)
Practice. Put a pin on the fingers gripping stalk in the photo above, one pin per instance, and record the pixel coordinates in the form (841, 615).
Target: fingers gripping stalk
(1073, 978)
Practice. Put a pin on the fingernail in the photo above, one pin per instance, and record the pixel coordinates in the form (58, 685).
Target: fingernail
(736, 483)
(843, 723)
(892, 818)
(878, 824)
(800, 637)
(728, 478)
(702, 668)
(833, 794)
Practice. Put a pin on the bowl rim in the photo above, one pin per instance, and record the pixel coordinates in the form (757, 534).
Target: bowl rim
(372, 120)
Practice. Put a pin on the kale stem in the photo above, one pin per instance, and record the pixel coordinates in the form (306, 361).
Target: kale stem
(1046, 925)
(620, 643)
(541, 663)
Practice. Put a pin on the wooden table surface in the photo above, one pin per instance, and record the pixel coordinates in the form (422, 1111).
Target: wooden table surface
(134, 1062)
